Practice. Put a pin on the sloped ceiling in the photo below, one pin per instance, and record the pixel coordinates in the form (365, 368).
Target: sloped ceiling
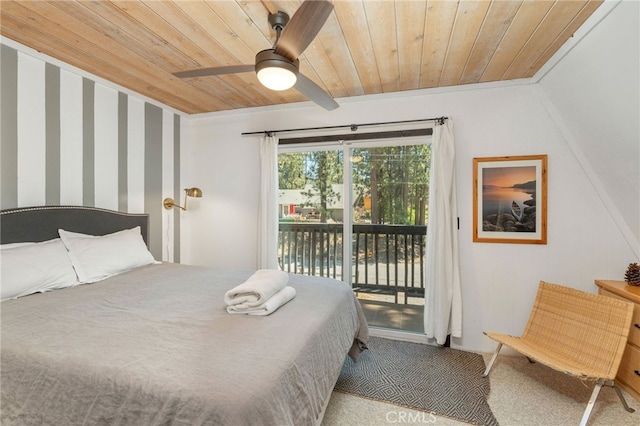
(599, 104)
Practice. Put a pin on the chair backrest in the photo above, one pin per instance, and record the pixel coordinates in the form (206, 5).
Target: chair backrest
(585, 328)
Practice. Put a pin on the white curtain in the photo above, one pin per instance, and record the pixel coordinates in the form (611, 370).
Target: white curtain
(268, 213)
(443, 301)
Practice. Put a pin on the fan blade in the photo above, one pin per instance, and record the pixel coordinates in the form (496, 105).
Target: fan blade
(303, 27)
(314, 93)
(231, 69)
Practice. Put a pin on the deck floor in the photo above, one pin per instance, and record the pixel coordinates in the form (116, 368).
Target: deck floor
(393, 316)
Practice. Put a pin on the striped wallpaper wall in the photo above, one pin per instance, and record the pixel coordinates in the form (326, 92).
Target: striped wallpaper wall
(68, 139)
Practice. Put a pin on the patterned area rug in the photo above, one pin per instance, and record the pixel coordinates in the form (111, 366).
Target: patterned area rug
(442, 381)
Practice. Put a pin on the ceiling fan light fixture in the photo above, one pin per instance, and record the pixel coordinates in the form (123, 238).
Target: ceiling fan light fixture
(276, 72)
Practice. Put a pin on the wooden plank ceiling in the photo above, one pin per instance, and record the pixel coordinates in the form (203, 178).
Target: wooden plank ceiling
(365, 47)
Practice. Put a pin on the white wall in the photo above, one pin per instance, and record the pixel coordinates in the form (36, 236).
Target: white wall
(220, 229)
(595, 93)
(499, 280)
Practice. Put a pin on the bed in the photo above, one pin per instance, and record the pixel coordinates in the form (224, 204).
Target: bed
(155, 345)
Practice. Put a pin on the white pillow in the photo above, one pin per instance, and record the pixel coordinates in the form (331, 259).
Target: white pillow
(14, 245)
(34, 267)
(98, 257)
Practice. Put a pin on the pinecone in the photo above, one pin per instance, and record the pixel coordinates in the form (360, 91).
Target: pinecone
(632, 276)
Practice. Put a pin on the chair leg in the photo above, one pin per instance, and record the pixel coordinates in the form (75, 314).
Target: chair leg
(493, 359)
(621, 396)
(594, 396)
(592, 401)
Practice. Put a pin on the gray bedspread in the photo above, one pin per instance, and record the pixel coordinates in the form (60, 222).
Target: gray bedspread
(156, 346)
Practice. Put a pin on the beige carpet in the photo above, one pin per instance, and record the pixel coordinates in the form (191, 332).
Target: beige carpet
(522, 394)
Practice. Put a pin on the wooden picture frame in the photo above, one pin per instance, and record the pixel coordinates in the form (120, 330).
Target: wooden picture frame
(510, 199)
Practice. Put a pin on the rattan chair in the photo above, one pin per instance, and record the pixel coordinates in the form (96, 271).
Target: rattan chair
(577, 333)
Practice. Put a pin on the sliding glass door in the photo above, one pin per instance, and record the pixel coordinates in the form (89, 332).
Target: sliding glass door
(390, 187)
(311, 203)
(372, 195)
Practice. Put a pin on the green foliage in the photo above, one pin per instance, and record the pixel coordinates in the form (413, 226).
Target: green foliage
(395, 179)
(324, 170)
(291, 173)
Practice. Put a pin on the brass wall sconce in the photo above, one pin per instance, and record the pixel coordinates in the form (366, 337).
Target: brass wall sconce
(168, 203)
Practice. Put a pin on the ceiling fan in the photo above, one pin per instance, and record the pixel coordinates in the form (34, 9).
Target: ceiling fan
(277, 68)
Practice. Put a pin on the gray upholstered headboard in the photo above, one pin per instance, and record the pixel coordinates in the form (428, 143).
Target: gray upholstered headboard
(33, 224)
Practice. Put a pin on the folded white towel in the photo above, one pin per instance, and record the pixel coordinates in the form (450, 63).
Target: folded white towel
(266, 308)
(256, 290)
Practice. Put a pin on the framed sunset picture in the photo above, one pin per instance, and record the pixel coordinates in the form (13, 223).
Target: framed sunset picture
(510, 199)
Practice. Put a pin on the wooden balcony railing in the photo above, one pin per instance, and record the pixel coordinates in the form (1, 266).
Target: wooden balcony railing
(387, 259)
